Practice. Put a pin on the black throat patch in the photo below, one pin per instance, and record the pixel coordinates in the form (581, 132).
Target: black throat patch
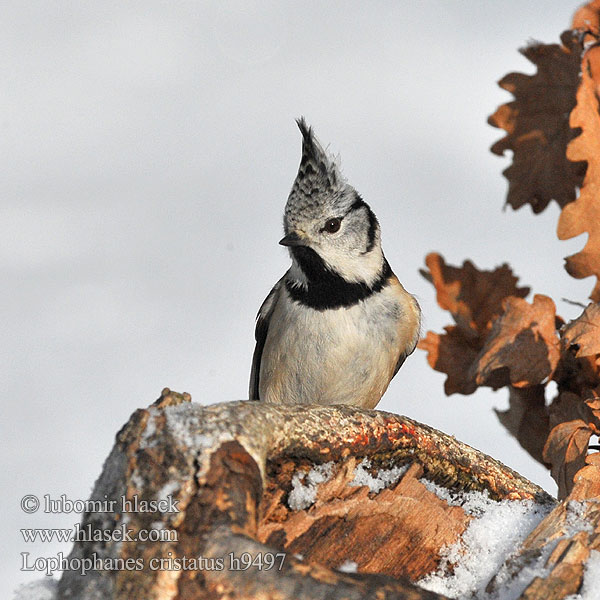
(327, 289)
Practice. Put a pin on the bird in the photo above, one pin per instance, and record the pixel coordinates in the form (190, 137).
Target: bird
(337, 327)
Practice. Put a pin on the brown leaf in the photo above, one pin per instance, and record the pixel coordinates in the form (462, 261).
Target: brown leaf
(566, 410)
(452, 354)
(523, 347)
(569, 407)
(587, 18)
(566, 450)
(577, 374)
(584, 332)
(592, 401)
(537, 126)
(583, 215)
(527, 419)
(587, 480)
(473, 297)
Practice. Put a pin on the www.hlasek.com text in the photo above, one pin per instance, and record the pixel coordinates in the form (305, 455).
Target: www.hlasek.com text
(85, 533)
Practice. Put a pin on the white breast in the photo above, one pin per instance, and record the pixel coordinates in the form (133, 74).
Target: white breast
(339, 356)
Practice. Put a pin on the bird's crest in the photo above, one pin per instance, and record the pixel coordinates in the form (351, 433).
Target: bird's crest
(315, 160)
(319, 179)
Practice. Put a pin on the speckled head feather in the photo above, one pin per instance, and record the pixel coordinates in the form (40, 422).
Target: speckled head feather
(314, 159)
(319, 186)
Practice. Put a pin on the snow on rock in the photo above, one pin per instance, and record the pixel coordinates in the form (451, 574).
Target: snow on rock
(184, 424)
(576, 521)
(41, 589)
(591, 579)
(149, 432)
(511, 589)
(384, 477)
(304, 485)
(348, 566)
(495, 532)
(167, 490)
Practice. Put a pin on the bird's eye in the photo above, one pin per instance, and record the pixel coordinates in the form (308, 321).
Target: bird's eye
(332, 225)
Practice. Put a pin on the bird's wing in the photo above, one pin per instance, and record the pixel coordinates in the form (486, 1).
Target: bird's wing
(262, 327)
(400, 362)
(404, 356)
(412, 324)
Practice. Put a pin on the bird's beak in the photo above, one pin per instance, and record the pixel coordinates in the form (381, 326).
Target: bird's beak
(293, 238)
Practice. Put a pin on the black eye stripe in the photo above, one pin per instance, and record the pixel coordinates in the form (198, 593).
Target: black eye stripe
(358, 203)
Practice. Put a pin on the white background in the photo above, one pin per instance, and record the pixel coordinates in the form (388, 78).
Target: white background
(148, 149)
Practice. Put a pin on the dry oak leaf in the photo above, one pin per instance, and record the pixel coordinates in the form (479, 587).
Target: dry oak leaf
(452, 354)
(587, 480)
(577, 374)
(587, 18)
(473, 297)
(570, 407)
(592, 403)
(573, 421)
(584, 331)
(537, 126)
(523, 347)
(583, 215)
(566, 450)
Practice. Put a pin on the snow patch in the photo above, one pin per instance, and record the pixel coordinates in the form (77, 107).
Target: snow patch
(591, 576)
(167, 490)
(304, 485)
(41, 589)
(348, 566)
(383, 478)
(511, 587)
(576, 518)
(591, 579)
(497, 528)
(150, 429)
(183, 424)
(303, 494)
(137, 480)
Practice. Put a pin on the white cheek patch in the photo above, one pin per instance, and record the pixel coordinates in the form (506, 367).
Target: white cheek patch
(359, 268)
